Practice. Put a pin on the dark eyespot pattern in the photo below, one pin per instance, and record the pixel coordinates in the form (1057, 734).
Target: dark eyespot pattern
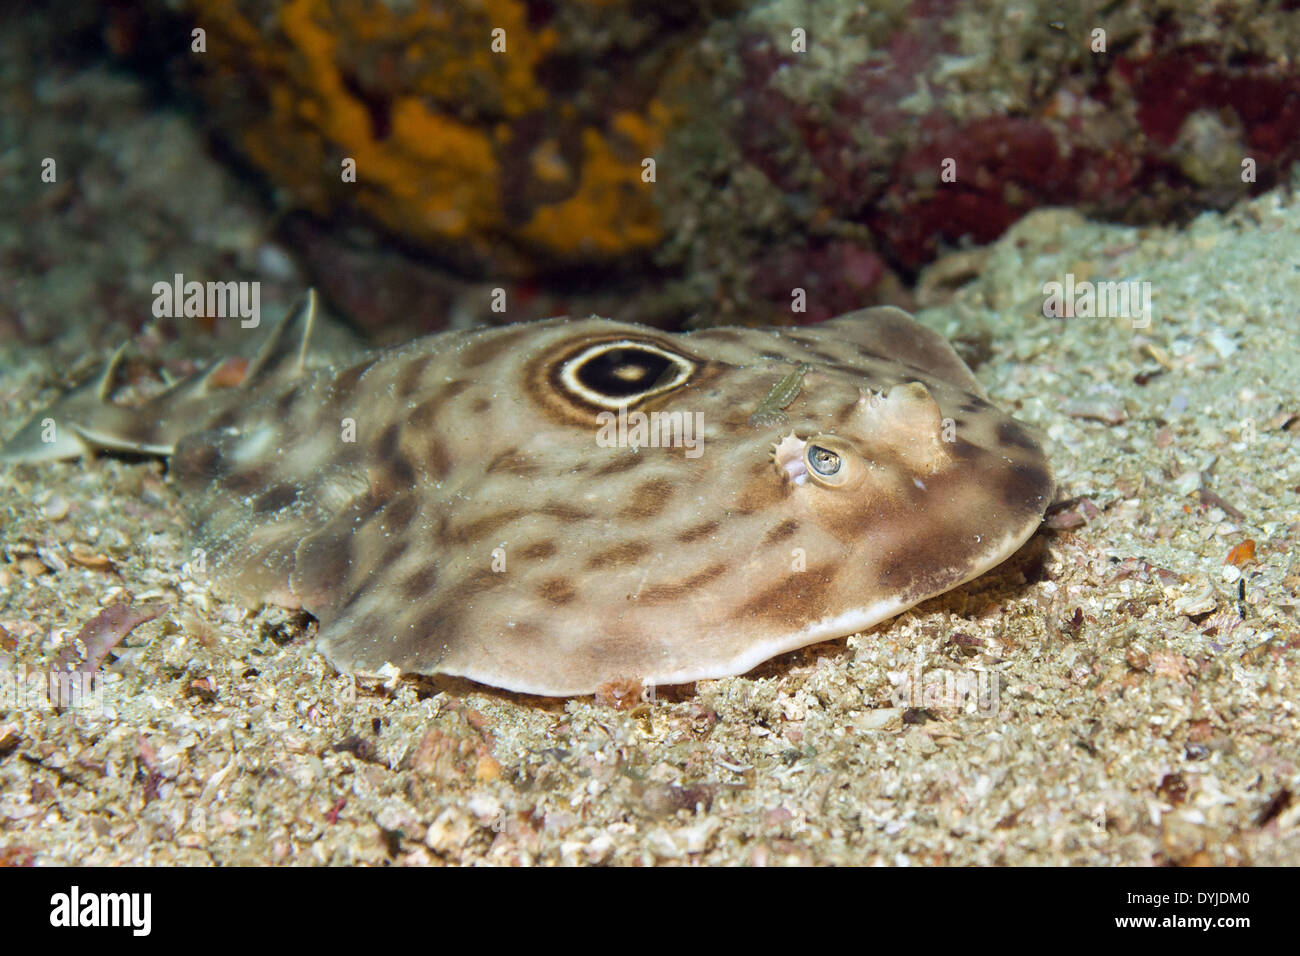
(622, 372)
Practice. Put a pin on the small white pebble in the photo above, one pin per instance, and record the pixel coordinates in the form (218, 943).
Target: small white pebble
(56, 509)
(275, 262)
(878, 719)
(485, 809)
(599, 849)
(1222, 343)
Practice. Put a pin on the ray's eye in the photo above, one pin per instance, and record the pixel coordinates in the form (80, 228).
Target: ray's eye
(618, 373)
(824, 461)
(831, 462)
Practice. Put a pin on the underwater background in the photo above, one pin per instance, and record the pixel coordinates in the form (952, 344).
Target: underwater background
(435, 166)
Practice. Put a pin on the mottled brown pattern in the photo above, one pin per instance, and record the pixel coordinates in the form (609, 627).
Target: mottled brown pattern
(398, 514)
(673, 590)
(480, 529)
(963, 450)
(760, 493)
(1025, 482)
(425, 415)
(623, 553)
(198, 462)
(912, 570)
(394, 553)
(477, 527)
(648, 499)
(565, 512)
(1011, 434)
(791, 601)
(328, 555)
(388, 443)
(846, 411)
(224, 419)
(437, 463)
(537, 551)
(410, 377)
(284, 405)
(510, 462)
(275, 499)
(343, 388)
(490, 346)
(454, 388)
(702, 530)
(391, 461)
(482, 579)
(624, 460)
(781, 532)
(557, 591)
(250, 480)
(419, 584)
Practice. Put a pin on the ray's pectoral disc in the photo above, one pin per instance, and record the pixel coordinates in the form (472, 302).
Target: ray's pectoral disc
(471, 524)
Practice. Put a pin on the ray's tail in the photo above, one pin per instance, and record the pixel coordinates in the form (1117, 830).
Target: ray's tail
(85, 418)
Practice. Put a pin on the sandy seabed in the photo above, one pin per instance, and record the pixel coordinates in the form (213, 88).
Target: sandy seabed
(1133, 688)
